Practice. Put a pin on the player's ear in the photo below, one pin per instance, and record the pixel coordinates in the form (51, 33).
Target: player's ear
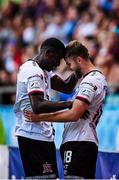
(79, 58)
(49, 53)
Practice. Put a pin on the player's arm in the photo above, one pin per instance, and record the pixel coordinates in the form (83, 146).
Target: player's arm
(65, 86)
(40, 105)
(35, 89)
(71, 115)
(83, 99)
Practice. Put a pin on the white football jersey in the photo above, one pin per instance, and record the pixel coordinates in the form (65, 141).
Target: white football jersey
(31, 78)
(92, 90)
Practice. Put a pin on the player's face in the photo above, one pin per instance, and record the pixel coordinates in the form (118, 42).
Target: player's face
(73, 64)
(52, 62)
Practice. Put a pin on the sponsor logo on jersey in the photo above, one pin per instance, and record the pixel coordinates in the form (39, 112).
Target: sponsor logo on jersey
(86, 93)
(90, 84)
(35, 84)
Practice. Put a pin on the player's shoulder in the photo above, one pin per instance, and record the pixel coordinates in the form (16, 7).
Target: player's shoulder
(30, 64)
(94, 79)
(28, 69)
(94, 76)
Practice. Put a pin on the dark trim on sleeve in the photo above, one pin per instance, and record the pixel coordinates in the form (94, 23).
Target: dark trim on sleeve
(83, 99)
(36, 91)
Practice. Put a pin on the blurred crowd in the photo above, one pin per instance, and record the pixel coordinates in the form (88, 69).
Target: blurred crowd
(26, 23)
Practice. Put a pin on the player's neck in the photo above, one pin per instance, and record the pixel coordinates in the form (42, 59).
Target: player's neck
(38, 60)
(88, 67)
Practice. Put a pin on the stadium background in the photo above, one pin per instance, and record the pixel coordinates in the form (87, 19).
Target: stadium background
(24, 24)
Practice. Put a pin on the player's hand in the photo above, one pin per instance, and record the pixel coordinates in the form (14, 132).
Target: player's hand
(30, 116)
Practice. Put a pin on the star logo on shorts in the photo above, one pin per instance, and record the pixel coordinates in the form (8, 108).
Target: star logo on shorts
(47, 168)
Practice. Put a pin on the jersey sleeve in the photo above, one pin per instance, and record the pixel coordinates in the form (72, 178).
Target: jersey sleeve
(86, 92)
(35, 84)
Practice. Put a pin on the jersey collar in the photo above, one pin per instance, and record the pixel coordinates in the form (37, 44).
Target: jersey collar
(91, 72)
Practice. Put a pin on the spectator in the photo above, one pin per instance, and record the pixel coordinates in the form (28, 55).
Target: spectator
(30, 22)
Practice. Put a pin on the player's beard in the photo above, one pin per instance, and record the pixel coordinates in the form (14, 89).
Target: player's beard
(79, 72)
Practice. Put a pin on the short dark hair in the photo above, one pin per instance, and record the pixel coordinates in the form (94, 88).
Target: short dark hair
(54, 43)
(75, 48)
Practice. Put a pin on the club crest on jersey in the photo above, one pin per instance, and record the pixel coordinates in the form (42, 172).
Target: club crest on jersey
(47, 168)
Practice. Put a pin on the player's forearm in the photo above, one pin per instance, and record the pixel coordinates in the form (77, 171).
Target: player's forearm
(66, 116)
(65, 86)
(48, 106)
(71, 82)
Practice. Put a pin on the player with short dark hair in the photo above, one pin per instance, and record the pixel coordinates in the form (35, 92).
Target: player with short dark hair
(80, 143)
(34, 81)
(75, 48)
